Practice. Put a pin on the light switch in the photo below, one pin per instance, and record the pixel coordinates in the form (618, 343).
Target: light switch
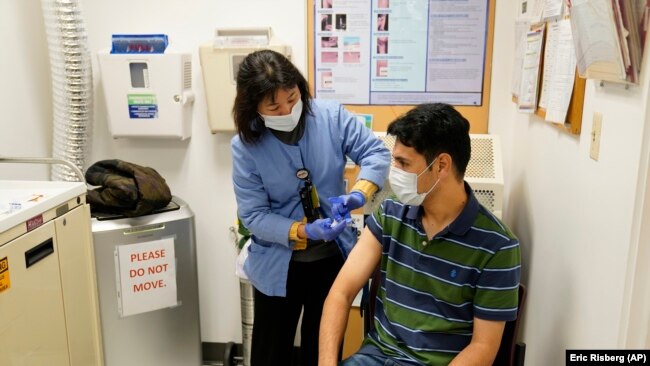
(595, 135)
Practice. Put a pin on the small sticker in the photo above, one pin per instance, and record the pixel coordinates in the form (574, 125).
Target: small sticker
(142, 106)
(34, 222)
(4, 274)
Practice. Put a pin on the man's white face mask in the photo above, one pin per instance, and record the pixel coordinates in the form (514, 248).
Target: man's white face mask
(405, 185)
(287, 122)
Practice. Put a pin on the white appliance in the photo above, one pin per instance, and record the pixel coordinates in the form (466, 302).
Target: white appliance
(484, 173)
(147, 330)
(48, 298)
(220, 61)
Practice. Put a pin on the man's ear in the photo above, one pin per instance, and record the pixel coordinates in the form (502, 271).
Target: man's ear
(444, 164)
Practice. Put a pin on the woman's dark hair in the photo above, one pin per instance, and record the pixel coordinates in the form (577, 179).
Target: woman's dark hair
(432, 129)
(261, 74)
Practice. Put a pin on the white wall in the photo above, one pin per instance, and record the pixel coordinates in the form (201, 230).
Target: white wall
(25, 96)
(573, 215)
(197, 170)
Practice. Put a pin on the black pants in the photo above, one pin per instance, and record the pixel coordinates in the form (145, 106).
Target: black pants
(276, 318)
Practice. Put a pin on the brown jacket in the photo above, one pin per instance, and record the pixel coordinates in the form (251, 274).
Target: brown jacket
(126, 188)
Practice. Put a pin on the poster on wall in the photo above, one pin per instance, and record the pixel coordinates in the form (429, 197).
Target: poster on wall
(400, 52)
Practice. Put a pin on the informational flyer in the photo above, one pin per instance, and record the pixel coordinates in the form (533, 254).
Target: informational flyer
(527, 101)
(400, 52)
(146, 276)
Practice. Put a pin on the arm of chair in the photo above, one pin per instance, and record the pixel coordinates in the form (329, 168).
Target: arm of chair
(520, 353)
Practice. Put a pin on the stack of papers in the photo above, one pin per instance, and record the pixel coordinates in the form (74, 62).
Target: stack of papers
(607, 39)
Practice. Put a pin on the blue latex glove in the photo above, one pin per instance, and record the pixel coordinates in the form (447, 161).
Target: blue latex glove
(324, 229)
(342, 205)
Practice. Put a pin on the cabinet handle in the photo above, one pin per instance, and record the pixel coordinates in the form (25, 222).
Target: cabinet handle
(39, 252)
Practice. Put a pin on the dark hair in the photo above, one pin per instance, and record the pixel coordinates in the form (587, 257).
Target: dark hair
(261, 74)
(432, 129)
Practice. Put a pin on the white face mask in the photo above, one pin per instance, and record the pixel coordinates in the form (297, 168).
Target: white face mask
(287, 122)
(405, 185)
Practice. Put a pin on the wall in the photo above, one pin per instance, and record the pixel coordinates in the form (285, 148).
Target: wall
(635, 319)
(197, 170)
(25, 98)
(573, 215)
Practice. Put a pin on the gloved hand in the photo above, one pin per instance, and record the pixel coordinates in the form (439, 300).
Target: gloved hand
(322, 229)
(342, 205)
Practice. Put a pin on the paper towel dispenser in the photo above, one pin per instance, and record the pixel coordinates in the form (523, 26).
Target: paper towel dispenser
(220, 61)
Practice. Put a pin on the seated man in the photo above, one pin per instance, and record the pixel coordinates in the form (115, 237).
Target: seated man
(449, 268)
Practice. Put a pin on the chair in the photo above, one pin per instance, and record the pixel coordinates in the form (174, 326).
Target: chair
(367, 307)
(511, 352)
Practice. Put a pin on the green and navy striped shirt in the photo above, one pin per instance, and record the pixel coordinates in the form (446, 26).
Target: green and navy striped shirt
(431, 290)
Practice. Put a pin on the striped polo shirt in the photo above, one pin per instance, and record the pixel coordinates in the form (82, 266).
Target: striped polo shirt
(431, 290)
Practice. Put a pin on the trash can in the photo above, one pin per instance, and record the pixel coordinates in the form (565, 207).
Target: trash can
(148, 287)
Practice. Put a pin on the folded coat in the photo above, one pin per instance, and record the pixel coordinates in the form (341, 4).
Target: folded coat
(126, 188)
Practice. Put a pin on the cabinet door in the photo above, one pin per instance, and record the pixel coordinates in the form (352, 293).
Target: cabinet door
(32, 322)
(79, 286)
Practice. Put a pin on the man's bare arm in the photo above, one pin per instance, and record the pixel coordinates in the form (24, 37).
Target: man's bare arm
(355, 273)
(483, 348)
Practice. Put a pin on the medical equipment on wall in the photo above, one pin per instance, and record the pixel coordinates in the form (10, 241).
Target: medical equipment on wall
(220, 61)
(147, 94)
(484, 173)
(49, 313)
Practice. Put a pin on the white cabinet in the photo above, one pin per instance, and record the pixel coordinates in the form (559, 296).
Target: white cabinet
(31, 309)
(48, 297)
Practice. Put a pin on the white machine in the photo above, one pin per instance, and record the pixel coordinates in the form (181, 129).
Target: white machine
(49, 311)
(148, 94)
(484, 173)
(220, 61)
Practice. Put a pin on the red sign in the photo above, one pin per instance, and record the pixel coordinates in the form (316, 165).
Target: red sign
(34, 222)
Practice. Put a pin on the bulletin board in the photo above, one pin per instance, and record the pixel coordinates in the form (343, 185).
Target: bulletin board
(384, 114)
(573, 120)
(604, 39)
(573, 123)
(613, 53)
